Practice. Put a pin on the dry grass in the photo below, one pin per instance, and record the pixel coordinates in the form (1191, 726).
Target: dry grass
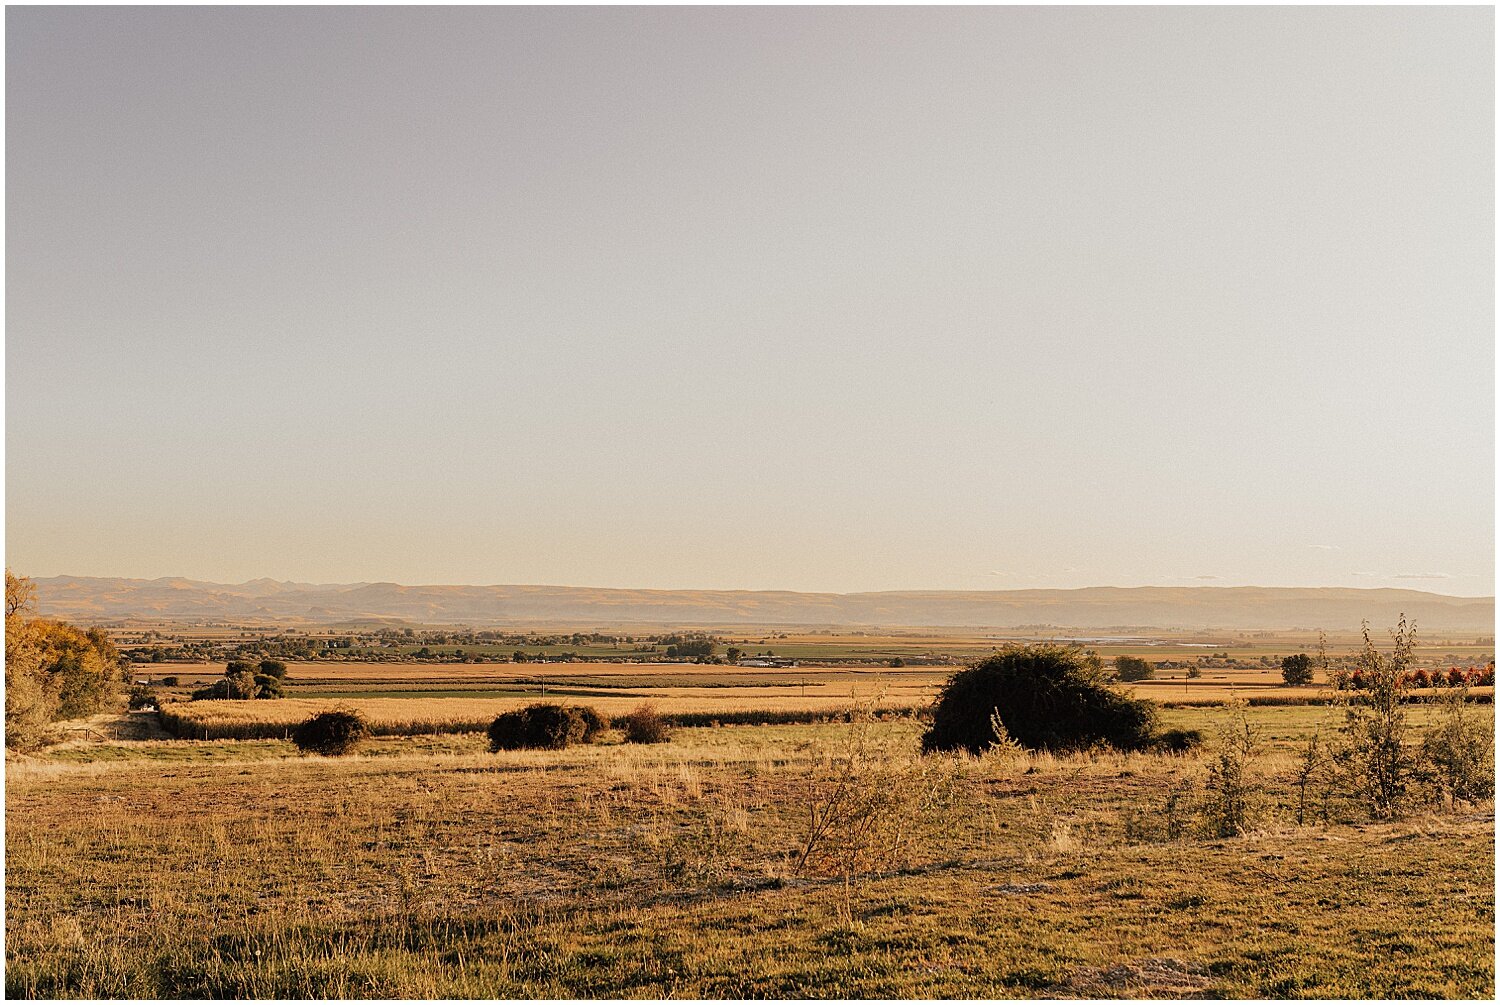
(426, 867)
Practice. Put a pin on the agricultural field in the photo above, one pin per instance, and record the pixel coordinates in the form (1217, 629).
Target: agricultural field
(426, 866)
(423, 697)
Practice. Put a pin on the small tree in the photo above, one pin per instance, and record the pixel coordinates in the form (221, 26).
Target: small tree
(1297, 670)
(1133, 668)
(1228, 810)
(1373, 754)
(1458, 750)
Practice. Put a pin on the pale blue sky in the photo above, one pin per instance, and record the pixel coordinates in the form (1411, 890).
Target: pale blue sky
(836, 299)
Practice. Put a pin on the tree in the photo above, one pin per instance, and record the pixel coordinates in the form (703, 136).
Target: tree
(20, 594)
(1297, 669)
(1373, 754)
(53, 671)
(1133, 668)
(691, 648)
(242, 681)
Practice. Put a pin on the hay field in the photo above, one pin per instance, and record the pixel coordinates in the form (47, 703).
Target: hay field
(423, 715)
(430, 699)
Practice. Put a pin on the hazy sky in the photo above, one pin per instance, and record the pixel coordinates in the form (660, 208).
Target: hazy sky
(837, 299)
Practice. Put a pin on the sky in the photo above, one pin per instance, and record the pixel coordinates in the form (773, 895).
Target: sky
(752, 298)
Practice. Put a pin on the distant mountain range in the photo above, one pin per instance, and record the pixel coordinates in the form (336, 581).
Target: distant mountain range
(93, 600)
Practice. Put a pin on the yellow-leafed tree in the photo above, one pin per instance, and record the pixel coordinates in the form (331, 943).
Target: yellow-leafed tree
(53, 670)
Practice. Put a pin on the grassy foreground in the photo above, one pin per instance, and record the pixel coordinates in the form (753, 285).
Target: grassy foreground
(427, 867)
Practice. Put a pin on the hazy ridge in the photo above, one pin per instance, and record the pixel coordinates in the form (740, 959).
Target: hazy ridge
(91, 599)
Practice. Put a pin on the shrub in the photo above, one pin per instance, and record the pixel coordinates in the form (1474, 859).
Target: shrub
(331, 733)
(538, 727)
(1133, 668)
(1047, 697)
(594, 723)
(1373, 756)
(875, 808)
(142, 697)
(645, 725)
(1458, 751)
(169, 681)
(1229, 809)
(273, 668)
(1178, 741)
(1297, 669)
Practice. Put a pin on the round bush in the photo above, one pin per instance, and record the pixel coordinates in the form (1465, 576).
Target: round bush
(645, 725)
(330, 733)
(540, 727)
(1178, 741)
(1048, 697)
(593, 722)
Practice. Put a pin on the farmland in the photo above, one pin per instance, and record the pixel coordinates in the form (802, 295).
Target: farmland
(194, 852)
(426, 866)
(418, 696)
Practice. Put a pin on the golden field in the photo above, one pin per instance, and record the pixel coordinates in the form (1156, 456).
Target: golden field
(428, 867)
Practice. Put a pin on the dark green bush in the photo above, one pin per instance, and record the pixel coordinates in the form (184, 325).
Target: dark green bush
(331, 733)
(645, 725)
(593, 722)
(1178, 741)
(542, 727)
(273, 668)
(1047, 697)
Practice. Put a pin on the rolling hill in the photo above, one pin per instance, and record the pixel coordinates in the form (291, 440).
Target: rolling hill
(92, 600)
